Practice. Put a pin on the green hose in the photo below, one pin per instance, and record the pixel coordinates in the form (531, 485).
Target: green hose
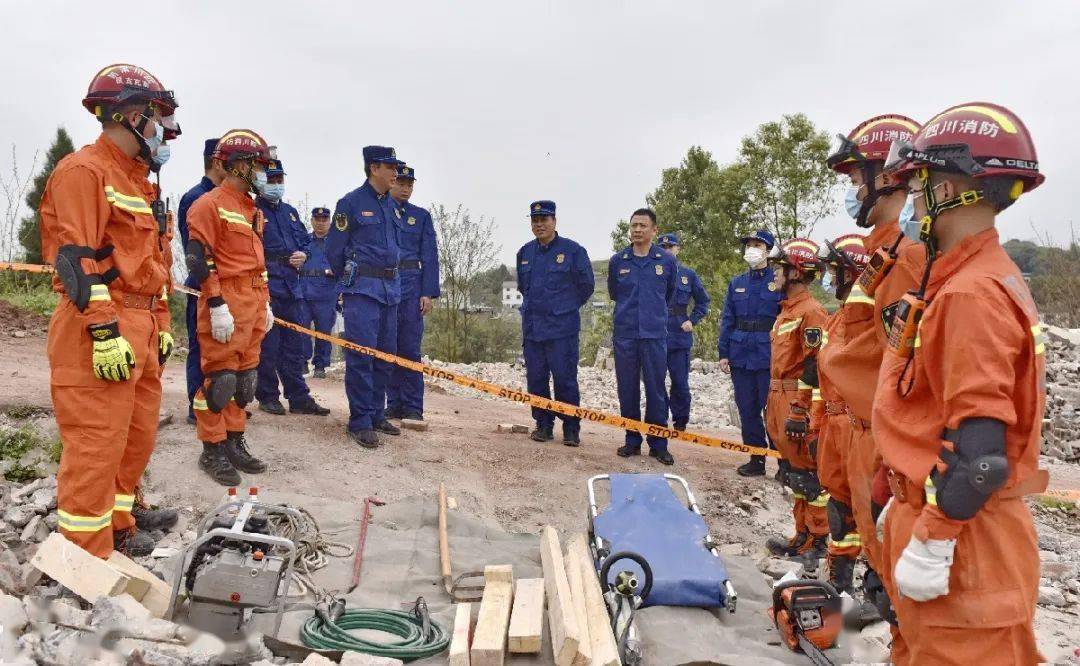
(321, 634)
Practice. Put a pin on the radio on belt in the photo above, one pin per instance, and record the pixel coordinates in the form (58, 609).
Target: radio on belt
(234, 568)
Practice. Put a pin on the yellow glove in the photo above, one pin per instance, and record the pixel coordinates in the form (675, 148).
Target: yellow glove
(165, 346)
(113, 358)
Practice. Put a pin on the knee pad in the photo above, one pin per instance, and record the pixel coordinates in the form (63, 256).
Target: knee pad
(245, 386)
(805, 482)
(840, 523)
(219, 389)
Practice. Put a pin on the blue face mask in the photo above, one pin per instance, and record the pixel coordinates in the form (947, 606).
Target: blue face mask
(273, 191)
(154, 142)
(162, 155)
(827, 283)
(851, 201)
(908, 224)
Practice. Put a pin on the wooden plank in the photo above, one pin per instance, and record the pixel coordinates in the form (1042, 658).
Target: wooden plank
(605, 651)
(489, 639)
(412, 424)
(156, 597)
(527, 616)
(451, 503)
(562, 623)
(87, 576)
(459, 645)
(444, 542)
(575, 547)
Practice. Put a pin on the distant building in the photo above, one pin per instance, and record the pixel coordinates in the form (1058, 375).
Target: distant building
(511, 297)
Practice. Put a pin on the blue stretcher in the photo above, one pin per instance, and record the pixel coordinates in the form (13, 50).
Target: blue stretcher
(644, 517)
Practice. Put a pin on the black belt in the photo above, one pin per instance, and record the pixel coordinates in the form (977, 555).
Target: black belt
(410, 264)
(678, 310)
(381, 273)
(326, 272)
(754, 325)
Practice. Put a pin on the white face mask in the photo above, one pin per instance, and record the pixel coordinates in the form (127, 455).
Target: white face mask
(754, 255)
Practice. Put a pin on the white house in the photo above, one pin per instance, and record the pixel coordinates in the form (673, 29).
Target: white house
(511, 297)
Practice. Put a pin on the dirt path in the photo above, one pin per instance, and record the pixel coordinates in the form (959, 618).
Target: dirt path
(519, 483)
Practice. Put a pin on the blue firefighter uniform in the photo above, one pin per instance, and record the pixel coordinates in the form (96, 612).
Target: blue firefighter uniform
(194, 371)
(750, 310)
(364, 255)
(642, 289)
(282, 348)
(555, 280)
(688, 287)
(321, 293)
(419, 271)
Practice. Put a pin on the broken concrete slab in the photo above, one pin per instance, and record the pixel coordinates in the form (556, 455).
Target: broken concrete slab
(413, 424)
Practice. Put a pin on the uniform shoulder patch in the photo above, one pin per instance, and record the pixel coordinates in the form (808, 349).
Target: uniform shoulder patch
(685, 280)
(341, 221)
(659, 269)
(812, 337)
(411, 221)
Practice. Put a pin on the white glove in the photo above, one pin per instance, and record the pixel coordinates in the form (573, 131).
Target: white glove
(922, 573)
(269, 317)
(880, 524)
(221, 323)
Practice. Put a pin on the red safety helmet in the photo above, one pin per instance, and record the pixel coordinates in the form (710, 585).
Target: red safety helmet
(243, 144)
(977, 139)
(121, 84)
(847, 254)
(800, 254)
(866, 146)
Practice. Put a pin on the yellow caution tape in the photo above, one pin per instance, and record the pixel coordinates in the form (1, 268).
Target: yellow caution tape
(523, 398)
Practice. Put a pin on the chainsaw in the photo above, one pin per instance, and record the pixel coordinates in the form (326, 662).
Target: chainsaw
(808, 615)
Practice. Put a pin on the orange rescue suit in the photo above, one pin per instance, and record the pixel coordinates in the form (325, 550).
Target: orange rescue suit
(229, 226)
(852, 368)
(97, 197)
(795, 337)
(979, 353)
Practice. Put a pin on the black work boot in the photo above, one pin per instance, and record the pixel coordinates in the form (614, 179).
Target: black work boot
(237, 451)
(812, 552)
(571, 435)
(365, 438)
(408, 415)
(841, 573)
(272, 407)
(781, 547)
(664, 456)
(625, 451)
(388, 428)
(543, 433)
(393, 412)
(319, 373)
(680, 426)
(756, 467)
(154, 519)
(133, 542)
(214, 462)
(307, 405)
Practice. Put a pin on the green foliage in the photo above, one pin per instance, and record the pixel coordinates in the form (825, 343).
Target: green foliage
(30, 228)
(29, 291)
(487, 289)
(789, 187)
(595, 333)
(14, 445)
(488, 338)
(25, 411)
(178, 312)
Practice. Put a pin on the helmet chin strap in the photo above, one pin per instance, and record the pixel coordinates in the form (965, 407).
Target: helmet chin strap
(137, 132)
(872, 196)
(934, 208)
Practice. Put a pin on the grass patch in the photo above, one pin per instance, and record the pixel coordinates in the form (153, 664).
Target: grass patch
(15, 444)
(1051, 502)
(27, 291)
(25, 411)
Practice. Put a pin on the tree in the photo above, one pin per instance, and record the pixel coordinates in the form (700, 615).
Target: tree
(466, 251)
(30, 229)
(14, 189)
(789, 186)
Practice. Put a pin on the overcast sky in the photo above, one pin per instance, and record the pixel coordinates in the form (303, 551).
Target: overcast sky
(500, 103)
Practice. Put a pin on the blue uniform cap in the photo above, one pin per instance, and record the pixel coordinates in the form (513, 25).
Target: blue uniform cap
(542, 207)
(406, 172)
(668, 240)
(760, 235)
(275, 168)
(381, 154)
(320, 212)
(209, 147)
